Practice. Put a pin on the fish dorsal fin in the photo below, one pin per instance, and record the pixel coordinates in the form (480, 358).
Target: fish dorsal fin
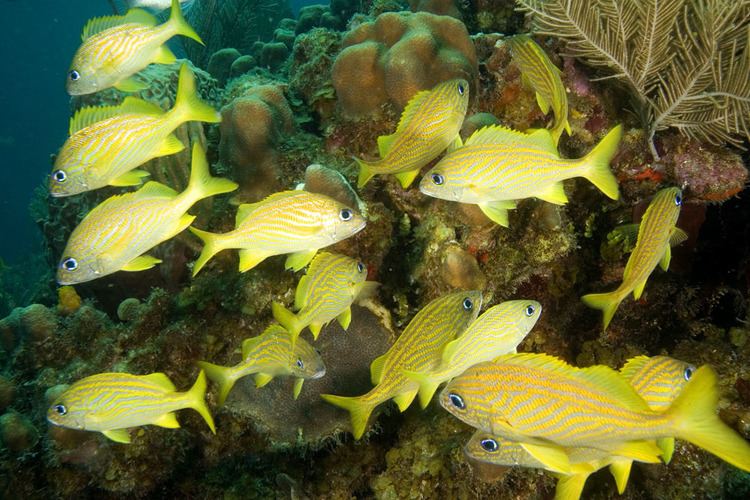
(633, 367)
(273, 330)
(495, 134)
(133, 105)
(99, 24)
(543, 139)
(384, 144)
(411, 110)
(161, 380)
(376, 369)
(247, 208)
(248, 345)
(85, 117)
(153, 188)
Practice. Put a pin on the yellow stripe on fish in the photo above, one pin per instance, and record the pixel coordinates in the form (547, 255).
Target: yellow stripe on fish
(498, 331)
(271, 354)
(429, 124)
(417, 349)
(497, 166)
(116, 234)
(107, 143)
(544, 78)
(657, 233)
(332, 283)
(546, 404)
(116, 47)
(289, 222)
(111, 403)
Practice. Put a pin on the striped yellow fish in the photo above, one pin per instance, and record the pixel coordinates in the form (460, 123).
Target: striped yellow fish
(112, 403)
(331, 284)
(498, 165)
(295, 222)
(115, 235)
(107, 143)
(271, 354)
(498, 331)
(657, 233)
(548, 405)
(417, 349)
(429, 124)
(116, 47)
(538, 72)
(658, 380)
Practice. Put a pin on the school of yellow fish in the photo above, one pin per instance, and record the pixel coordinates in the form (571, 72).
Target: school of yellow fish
(530, 410)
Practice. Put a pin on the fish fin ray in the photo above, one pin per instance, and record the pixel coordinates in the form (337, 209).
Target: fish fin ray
(427, 386)
(315, 328)
(180, 25)
(366, 171)
(188, 105)
(169, 146)
(542, 103)
(164, 55)
(202, 185)
(153, 188)
(211, 246)
(570, 486)
(606, 302)
(495, 212)
(638, 289)
(411, 110)
(666, 445)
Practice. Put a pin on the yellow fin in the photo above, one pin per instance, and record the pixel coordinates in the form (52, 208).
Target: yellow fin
(449, 351)
(666, 258)
(153, 188)
(118, 435)
(406, 178)
(554, 194)
(141, 263)
(262, 379)
(132, 178)
(376, 368)
(553, 457)
(222, 376)
(99, 24)
(542, 102)
(642, 451)
(620, 470)
(366, 171)
(170, 146)
(86, 117)
(455, 144)
(244, 210)
(633, 366)
(606, 302)
(300, 295)
(164, 55)
(384, 144)
(496, 134)
(627, 233)
(411, 109)
(136, 106)
(179, 24)
(298, 387)
(345, 318)
(188, 105)
(196, 399)
(638, 289)
(358, 411)
(249, 344)
(167, 420)
(298, 260)
(596, 164)
(666, 445)
(315, 328)
(570, 487)
(249, 259)
(677, 237)
(130, 85)
(427, 386)
(403, 400)
(161, 380)
(496, 212)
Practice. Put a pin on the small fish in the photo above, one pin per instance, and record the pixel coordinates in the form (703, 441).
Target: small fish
(417, 349)
(115, 235)
(498, 331)
(160, 5)
(327, 181)
(116, 47)
(331, 284)
(295, 222)
(111, 403)
(498, 165)
(657, 233)
(107, 143)
(548, 405)
(538, 72)
(271, 354)
(429, 124)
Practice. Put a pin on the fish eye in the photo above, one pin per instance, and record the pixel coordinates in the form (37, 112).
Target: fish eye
(360, 267)
(468, 304)
(461, 89)
(457, 401)
(60, 409)
(678, 200)
(437, 179)
(529, 310)
(60, 175)
(489, 445)
(688, 373)
(74, 75)
(69, 264)
(346, 214)
(300, 364)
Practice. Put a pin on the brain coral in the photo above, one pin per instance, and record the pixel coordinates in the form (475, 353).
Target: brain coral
(398, 54)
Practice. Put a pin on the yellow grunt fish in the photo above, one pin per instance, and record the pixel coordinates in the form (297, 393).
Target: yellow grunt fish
(116, 47)
(548, 405)
(111, 403)
(295, 222)
(107, 143)
(497, 166)
(417, 349)
(271, 354)
(498, 331)
(331, 284)
(115, 235)
(429, 124)
(657, 233)
(538, 72)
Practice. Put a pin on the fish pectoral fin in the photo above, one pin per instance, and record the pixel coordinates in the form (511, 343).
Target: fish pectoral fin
(376, 369)
(250, 258)
(170, 146)
(495, 212)
(677, 237)
(132, 178)
(298, 260)
(141, 263)
(627, 233)
(300, 295)
(542, 102)
(553, 457)
(168, 420)
(384, 144)
(638, 289)
(554, 194)
(298, 387)
(262, 379)
(406, 178)
(164, 55)
(455, 144)
(620, 470)
(367, 290)
(403, 400)
(449, 351)
(666, 258)
(130, 85)
(118, 435)
(345, 318)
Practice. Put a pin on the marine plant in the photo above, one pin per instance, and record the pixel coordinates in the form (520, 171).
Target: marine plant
(684, 62)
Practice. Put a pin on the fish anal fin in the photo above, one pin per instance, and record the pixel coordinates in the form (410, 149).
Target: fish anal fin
(118, 435)
(250, 258)
(542, 102)
(495, 212)
(406, 178)
(141, 263)
(262, 379)
(638, 289)
(666, 258)
(170, 146)
(167, 420)
(164, 55)
(404, 399)
(315, 328)
(345, 318)
(298, 387)
(554, 194)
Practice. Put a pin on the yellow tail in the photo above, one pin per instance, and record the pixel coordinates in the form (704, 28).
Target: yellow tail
(211, 246)
(222, 376)
(196, 400)
(597, 164)
(427, 386)
(358, 410)
(180, 25)
(606, 302)
(693, 414)
(188, 105)
(287, 319)
(201, 184)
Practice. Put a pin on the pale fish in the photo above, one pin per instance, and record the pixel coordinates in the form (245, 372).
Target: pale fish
(657, 233)
(497, 331)
(116, 47)
(548, 406)
(115, 235)
(326, 292)
(498, 166)
(288, 222)
(159, 5)
(417, 349)
(429, 124)
(112, 403)
(538, 72)
(273, 353)
(107, 143)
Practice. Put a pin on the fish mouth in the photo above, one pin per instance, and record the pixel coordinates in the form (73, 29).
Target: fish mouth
(318, 374)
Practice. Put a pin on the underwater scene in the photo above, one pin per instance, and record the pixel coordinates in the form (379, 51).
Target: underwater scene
(419, 249)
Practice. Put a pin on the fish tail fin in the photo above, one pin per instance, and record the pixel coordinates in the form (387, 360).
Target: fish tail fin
(197, 400)
(287, 319)
(694, 417)
(570, 487)
(359, 411)
(365, 172)
(180, 24)
(211, 246)
(188, 105)
(222, 376)
(201, 184)
(597, 164)
(427, 386)
(606, 302)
